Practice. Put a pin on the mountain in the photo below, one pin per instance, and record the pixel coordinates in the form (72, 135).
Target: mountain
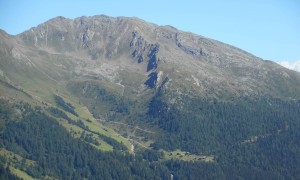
(129, 85)
(160, 50)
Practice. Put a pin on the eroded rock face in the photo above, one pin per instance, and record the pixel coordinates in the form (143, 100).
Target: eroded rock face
(144, 51)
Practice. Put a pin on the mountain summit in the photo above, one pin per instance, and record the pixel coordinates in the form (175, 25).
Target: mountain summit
(159, 88)
(107, 46)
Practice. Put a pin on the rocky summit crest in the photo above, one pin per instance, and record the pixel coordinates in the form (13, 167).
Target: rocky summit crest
(113, 46)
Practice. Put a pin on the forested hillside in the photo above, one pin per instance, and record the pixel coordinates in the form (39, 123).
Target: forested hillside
(45, 149)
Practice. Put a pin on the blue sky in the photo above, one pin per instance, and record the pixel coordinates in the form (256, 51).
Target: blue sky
(269, 29)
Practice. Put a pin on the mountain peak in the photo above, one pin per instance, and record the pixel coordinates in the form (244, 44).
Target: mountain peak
(159, 52)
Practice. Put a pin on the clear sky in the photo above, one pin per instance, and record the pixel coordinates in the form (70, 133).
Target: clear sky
(269, 29)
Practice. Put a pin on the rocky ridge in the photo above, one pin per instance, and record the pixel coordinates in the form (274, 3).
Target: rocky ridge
(102, 46)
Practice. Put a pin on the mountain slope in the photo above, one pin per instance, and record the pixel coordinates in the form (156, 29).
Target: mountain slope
(132, 45)
(159, 88)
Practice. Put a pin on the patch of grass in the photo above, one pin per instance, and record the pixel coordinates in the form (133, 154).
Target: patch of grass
(186, 156)
(103, 146)
(84, 113)
(77, 131)
(96, 126)
(20, 173)
(15, 158)
(91, 126)
(99, 128)
(14, 94)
